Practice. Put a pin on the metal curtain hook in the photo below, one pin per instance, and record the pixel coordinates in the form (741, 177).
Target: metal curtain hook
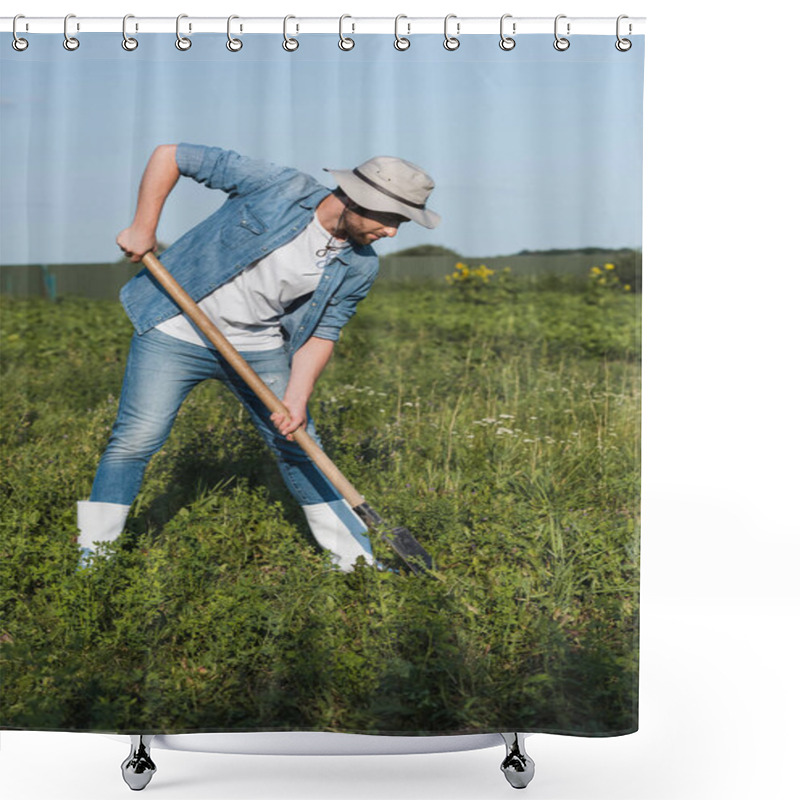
(234, 45)
(289, 44)
(506, 42)
(451, 42)
(128, 42)
(623, 45)
(19, 44)
(400, 42)
(182, 42)
(70, 42)
(561, 43)
(345, 43)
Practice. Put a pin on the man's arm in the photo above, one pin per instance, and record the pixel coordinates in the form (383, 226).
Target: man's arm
(160, 176)
(307, 366)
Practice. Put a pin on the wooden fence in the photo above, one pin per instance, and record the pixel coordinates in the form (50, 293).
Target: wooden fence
(103, 281)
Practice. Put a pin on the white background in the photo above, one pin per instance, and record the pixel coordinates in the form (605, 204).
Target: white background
(720, 601)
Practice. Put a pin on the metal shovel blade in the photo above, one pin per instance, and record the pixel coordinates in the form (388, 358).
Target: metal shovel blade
(409, 549)
(401, 540)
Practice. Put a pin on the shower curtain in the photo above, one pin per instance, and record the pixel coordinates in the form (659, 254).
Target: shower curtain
(480, 385)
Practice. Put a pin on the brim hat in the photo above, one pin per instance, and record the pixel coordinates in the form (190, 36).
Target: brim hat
(391, 185)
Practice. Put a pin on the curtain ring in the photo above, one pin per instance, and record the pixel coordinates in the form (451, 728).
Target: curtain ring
(289, 44)
(506, 42)
(128, 42)
(451, 42)
(623, 45)
(234, 45)
(70, 42)
(345, 43)
(181, 42)
(19, 44)
(400, 42)
(561, 43)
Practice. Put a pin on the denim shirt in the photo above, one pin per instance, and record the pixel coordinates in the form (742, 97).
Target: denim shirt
(267, 206)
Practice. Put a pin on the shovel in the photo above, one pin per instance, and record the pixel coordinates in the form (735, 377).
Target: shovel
(399, 539)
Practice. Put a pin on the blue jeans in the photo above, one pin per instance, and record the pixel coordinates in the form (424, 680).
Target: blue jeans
(160, 372)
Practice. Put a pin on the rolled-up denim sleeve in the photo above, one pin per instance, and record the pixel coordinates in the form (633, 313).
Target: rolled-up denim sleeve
(224, 169)
(340, 309)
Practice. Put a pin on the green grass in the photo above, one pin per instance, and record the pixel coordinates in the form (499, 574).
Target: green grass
(501, 427)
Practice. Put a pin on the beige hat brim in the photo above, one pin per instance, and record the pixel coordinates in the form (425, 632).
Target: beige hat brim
(375, 200)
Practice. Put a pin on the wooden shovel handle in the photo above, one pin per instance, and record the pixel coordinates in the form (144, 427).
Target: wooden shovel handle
(249, 376)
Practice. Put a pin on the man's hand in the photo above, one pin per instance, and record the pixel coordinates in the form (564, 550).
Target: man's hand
(135, 243)
(296, 419)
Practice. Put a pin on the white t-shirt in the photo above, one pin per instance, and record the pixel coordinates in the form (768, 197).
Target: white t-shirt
(248, 308)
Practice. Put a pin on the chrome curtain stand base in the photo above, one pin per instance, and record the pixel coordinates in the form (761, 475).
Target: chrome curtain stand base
(517, 766)
(138, 768)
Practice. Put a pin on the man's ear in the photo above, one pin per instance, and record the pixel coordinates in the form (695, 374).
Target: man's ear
(339, 193)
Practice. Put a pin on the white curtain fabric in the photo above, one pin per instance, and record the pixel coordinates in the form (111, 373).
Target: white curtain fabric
(483, 394)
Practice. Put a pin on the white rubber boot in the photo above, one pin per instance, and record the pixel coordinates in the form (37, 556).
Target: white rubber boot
(337, 529)
(99, 522)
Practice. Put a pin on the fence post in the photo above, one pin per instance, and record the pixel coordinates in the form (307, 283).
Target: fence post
(49, 281)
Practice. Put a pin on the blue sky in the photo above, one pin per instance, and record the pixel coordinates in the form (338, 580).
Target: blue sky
(530, 149)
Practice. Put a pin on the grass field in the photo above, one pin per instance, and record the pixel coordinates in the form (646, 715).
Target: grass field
(499, 422)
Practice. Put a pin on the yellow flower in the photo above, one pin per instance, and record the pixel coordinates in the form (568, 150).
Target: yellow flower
(609, 266)
(627, 287)
(596, 271)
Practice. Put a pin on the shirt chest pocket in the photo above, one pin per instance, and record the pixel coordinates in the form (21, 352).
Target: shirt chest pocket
(244, 226)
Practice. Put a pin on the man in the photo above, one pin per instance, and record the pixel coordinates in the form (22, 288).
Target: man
(279, 268)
